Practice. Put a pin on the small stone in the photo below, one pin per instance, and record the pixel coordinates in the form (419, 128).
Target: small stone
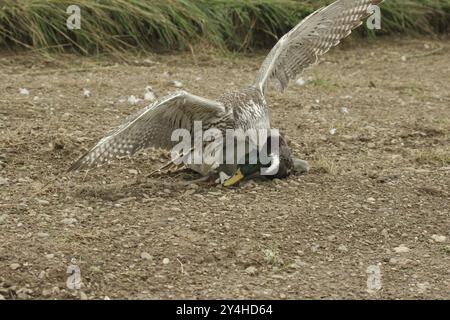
(83, 296)
(147, 256)
(42, 235)
(401, 249)
(333, 131)
(24, 92)
(300, 82)
(399, 261)
(42, 274)
(423, 286)
(95, 269)
(47, 292)
(371, 200)
(133, 171)
(69, 220)
(342, 248)
(251, 270)
(166, 261)
(177, 84)
(3, 181)
(3, 218)
(43, 202)
(439, 238)
(50, 256)
(14, 266)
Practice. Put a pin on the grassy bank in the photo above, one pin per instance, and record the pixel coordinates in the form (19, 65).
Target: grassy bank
(238, 25)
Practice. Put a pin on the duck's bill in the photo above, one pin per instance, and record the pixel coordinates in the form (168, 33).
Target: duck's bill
(238, 176)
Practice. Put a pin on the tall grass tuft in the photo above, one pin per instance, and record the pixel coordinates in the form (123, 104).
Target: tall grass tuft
(121, 25)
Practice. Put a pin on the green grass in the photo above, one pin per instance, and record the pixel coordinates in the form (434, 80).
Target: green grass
(115, 26)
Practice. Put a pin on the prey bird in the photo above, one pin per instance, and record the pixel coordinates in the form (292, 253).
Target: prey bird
(243, 109)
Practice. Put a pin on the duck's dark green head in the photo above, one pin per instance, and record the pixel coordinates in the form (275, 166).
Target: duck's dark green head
(280, 163)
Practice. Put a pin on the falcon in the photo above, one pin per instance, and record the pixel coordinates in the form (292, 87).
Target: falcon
(244, 109)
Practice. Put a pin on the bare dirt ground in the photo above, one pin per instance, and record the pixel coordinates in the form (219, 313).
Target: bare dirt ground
(378, 192)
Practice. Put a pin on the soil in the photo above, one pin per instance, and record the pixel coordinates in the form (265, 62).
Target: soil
(373, 120)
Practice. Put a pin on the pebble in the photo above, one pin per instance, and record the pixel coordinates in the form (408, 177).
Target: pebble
(251, 270)
(42, 235)
(333, 131)
(83, 296)
(50, 256)
(166, 261)
(177, 84)
(3, 181)
(42, 201)
(401, 249)
(423, 286)
(95, 269)
(147, 256)
(47, 292)
(439, 238)
(133, 171)
(342, 248)
(399, 261)
(69, 220)
(24, 92)
(3, 218)
(14, 266)
(300, 82)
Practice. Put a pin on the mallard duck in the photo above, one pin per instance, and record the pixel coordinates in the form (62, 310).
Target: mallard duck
(243, 109)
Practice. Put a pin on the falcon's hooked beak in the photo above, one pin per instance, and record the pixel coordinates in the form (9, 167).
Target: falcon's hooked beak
(238, 176)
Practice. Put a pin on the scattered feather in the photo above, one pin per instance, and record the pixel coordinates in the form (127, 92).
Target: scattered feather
(300, 82)
(177, 84)
(86, 93)
(24, 92)
(133, 100)
(149, 94)
(343, 110)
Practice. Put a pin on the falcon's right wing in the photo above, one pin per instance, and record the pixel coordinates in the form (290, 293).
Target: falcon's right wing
(152, 127)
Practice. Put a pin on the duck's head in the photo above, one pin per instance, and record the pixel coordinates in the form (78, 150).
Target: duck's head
(279, 165)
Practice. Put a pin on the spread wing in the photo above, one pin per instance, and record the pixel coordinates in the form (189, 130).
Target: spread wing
(311, 38)
(152, 127)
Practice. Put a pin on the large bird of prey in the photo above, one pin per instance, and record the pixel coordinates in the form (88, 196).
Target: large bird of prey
(243, 109)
